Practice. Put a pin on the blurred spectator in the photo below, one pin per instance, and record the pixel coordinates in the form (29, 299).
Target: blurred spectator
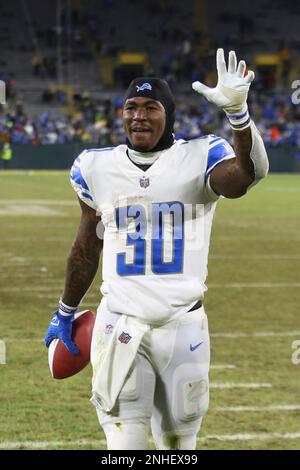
(6, 155)
(286, 63)
(36, 62)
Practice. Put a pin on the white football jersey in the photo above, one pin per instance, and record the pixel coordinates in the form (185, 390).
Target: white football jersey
(157, 224)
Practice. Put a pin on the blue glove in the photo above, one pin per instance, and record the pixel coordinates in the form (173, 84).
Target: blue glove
(61, 327)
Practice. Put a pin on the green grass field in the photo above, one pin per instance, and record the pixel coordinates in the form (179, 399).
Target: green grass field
(252, 305)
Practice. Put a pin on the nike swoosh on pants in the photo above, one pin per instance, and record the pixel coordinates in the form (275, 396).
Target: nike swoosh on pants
(192, 348)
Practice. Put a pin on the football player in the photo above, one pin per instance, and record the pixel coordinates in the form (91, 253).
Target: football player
(154, 200)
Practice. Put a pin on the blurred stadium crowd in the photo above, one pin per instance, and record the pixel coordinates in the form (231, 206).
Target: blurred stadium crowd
(73, 54)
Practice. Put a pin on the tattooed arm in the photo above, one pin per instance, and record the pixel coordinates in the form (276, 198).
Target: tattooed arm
(83, 258)
(81, 269)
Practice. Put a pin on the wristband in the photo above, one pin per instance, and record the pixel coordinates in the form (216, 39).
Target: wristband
(239, 122)
(65, 310)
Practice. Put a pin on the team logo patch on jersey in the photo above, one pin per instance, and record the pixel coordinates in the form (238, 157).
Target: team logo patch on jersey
(145, 86)
(108, 329)
(144, 182)
(124, 337)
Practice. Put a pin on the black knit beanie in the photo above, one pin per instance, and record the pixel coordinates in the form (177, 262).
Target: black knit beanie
(158, 90)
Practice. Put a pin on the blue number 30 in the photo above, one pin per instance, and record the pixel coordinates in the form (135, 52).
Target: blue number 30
(175, 211)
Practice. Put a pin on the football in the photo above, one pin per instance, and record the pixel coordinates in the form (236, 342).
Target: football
(61, 362)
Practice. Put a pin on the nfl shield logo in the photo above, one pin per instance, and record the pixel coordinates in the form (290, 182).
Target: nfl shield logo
(144, 182)
(108, 329)
(124, 337)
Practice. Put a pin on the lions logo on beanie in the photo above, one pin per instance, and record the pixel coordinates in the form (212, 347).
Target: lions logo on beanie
(159, 90)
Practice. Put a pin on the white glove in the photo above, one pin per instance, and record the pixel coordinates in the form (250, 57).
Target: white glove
(232, 88)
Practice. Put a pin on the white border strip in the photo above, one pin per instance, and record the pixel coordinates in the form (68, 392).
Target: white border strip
(266, 436)
(48, 202)
(49, 444)
(222, 366)
(258, 408)
(254, 285)
(240, 385)
(260, 256)
(256, 334)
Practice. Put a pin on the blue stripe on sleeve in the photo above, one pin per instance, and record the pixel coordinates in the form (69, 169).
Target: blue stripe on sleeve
(218, 153)
(86, 195)
(214, 140)
(77, 177)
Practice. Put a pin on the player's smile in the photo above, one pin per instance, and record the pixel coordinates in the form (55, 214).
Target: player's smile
(144, 122)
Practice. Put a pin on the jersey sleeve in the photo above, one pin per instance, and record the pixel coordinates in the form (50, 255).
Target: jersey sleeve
(80, 178)
(218, 150)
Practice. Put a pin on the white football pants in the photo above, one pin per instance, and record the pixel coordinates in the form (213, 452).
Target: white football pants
(167, 385)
